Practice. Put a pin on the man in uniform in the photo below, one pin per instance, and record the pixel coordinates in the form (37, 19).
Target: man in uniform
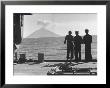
(69, 41)
(87, 39)
(77, 43)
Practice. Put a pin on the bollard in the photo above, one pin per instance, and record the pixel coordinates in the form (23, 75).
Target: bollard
(22, 58)
(40, 57)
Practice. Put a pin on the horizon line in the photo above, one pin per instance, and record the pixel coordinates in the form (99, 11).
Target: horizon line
(58, 36)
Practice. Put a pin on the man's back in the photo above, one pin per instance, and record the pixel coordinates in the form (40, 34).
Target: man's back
(87, 39)
(77, 40)
(69, 39)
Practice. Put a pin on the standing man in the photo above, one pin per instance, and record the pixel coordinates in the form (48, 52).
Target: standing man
(87, 39)
(69, 41)
(77, 43)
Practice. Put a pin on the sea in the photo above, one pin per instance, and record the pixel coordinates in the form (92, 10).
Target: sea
(53, 48)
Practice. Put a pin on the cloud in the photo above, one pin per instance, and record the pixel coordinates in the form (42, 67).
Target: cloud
(43, 23)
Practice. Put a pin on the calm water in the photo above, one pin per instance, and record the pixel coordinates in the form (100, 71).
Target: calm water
(53, 48)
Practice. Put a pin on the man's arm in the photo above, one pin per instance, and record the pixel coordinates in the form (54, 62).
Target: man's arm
(91, 39)
(73, 40)
(83, 40)
(65, 40)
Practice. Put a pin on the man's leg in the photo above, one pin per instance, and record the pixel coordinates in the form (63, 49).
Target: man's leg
(76, 54)
(89, 55)
(79, 55)
(89, 51)
(68, 51)
(86, 53)
(71, 55)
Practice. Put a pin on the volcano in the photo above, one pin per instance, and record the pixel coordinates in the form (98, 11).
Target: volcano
(42, 33)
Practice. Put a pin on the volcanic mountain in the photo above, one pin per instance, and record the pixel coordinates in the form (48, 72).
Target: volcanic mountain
(42, 33)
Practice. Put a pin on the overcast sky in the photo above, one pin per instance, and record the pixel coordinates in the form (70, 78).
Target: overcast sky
(60, 23)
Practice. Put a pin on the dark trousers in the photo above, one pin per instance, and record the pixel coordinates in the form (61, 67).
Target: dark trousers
(69, 51)
(88, 56)
(78, 53)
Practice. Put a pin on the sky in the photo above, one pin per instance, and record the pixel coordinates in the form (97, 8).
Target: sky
(60, 23)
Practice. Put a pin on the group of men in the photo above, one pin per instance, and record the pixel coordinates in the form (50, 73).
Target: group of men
(74, 45)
